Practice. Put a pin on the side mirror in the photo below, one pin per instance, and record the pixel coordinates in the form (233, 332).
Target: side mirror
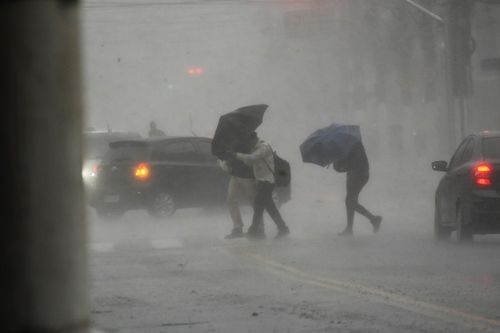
(440, 166)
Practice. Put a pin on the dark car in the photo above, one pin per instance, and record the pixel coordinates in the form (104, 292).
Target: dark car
(96, 144)
(161, 175)
(468, 196)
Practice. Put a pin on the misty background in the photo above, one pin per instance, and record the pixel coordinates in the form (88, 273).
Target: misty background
(379, 64)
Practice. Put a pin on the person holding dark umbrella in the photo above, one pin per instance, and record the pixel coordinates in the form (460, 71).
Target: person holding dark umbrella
(341, 146)
(262, 161)
(234, 133)
(241, 186)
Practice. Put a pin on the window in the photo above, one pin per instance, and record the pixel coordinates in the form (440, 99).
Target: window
(127, 152)
(206, 150)
(180, 151)
(457, 157)
(97, 144)
(491, 148)
(468, 151)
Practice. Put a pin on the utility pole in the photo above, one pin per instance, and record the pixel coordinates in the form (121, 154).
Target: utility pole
(461, 48)
(458, 48)
(43, 248)
(444, 61)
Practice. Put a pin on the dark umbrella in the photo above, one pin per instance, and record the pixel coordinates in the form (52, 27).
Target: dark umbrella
(329, 144)
(235, 127)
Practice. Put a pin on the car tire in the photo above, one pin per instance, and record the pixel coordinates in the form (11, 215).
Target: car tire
(110, 213)
(441, 233)
(162, 205)
(464, 230)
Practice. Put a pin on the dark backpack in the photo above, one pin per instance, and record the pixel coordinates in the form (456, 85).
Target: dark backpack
(282, 172)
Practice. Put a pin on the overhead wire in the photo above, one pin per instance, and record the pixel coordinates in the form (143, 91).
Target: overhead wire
(131, 4)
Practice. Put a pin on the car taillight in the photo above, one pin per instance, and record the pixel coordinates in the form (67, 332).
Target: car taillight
(142, 171)
(482, 173)
(93, 173)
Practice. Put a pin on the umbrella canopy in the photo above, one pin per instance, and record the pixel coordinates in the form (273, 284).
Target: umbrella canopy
(235, 127)
(329, 144)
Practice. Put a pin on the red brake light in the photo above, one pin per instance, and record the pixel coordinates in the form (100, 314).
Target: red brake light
(482, 173)
(483, 181)
(142, 171)
(482, 170)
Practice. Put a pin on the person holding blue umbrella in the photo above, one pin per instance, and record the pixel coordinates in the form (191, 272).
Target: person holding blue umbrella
(357, 171)
(341, 146)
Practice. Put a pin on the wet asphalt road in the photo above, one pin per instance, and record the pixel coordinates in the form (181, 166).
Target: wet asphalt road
(182, 276)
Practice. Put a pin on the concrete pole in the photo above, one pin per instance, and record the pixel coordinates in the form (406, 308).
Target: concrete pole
(453, 137)
(459, 25)
(44, 261)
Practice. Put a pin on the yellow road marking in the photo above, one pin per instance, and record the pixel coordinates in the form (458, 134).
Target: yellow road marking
(404, 302)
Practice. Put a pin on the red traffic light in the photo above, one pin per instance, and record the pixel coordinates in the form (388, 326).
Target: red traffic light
(195, 71)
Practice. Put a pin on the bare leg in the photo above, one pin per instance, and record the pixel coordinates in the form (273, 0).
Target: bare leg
(355, 184)
(233, 203)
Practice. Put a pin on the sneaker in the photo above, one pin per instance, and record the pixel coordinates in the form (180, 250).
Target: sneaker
(235, 233)
(346, 232)
(376, 223)
(282, 233)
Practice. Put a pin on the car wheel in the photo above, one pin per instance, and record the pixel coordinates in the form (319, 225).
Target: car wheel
(162, 205)
(464, 230)
(440, 232)
(110, 213)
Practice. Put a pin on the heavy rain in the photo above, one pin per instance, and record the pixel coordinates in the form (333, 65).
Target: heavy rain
(413, 83)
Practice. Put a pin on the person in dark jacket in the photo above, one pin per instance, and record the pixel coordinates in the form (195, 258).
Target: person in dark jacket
(358, 172)
(154, 131)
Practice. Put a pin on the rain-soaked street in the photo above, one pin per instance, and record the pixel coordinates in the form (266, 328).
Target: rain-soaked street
(400, 70)
(180, 275)
(134, 127)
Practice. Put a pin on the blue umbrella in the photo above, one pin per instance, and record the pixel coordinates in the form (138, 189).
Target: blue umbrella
(329, 144)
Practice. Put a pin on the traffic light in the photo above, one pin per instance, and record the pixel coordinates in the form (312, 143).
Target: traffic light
(195, 71)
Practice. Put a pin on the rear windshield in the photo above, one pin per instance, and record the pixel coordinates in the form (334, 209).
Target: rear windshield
(96, 145)
(127, 152)
(491, 148)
